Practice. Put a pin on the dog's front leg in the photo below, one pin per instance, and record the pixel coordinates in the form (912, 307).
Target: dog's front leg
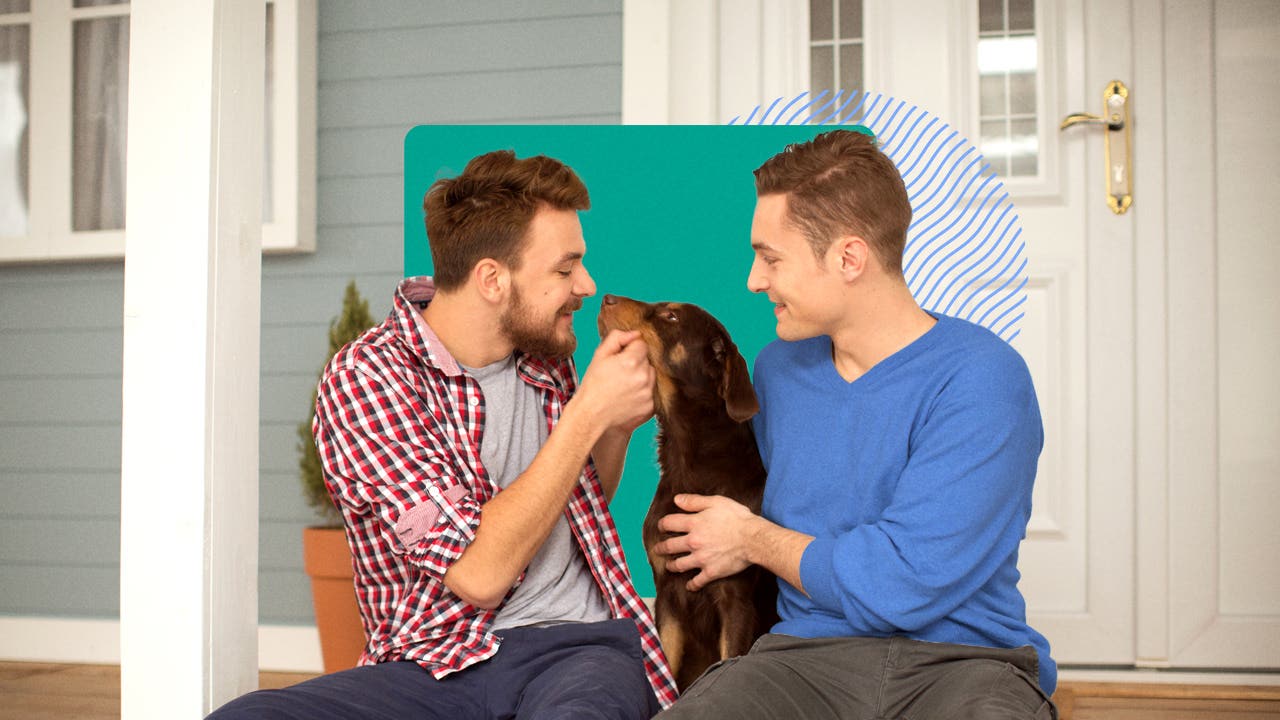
(737, 625)
(671, 634)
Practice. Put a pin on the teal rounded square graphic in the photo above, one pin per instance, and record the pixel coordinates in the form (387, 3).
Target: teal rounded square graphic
(670, 219)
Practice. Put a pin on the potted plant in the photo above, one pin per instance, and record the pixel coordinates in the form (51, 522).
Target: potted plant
(326, 555)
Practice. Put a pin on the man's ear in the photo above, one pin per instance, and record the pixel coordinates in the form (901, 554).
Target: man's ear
(850, 255)
(492, 279)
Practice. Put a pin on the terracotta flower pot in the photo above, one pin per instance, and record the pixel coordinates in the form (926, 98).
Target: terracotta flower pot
(327, 559)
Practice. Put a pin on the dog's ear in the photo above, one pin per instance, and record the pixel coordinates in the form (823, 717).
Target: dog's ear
(735, 381)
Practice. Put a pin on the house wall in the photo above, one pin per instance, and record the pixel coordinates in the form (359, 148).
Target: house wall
(383, 68)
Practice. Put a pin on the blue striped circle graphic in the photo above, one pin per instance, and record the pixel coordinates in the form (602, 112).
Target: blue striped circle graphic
(964, 255)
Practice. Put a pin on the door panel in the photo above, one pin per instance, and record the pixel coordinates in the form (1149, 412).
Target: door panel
(1224, 333)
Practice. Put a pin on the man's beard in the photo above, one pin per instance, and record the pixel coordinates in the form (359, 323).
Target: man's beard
(536, 336)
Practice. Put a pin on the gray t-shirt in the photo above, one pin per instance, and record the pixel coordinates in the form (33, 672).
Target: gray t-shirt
(558, 586)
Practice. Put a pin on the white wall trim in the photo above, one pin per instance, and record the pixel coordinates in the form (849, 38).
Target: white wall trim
(281, 648)
(706, 61)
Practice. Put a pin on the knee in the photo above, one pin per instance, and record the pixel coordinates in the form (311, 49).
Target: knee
(1010, 695)
(600, 684)
(260, 705)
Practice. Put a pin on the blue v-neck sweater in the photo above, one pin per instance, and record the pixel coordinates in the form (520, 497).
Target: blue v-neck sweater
(915, 481)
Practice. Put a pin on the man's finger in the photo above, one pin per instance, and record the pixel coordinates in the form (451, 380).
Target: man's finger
(616, 340)
(675, 523)
(672, 546)
(698, 582)
(693, 503)
(636, 346)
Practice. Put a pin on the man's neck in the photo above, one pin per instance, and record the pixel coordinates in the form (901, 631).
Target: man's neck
(468, 328)
(886, 319)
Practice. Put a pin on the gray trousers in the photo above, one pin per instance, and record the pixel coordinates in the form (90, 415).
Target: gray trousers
(787, 678)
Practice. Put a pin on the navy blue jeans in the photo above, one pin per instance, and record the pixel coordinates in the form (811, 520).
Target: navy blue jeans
(592, 670)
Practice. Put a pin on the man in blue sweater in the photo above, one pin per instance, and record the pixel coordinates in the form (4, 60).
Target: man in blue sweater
(901, 448)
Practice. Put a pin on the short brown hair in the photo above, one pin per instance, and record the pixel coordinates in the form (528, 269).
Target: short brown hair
(485, 211)
(840, 183)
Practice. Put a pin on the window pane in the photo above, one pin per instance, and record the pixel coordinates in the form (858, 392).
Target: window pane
(851, 19)
(995, 145)
(99, 120)
(1022, 93)
(15, 43)
(1022, 15)
(15, 6)
(990, 15)
(820, 19)
(851, 66)
(268, 140)
(992, 102)
(1008, 84)
(1023, 147)
(821, 69)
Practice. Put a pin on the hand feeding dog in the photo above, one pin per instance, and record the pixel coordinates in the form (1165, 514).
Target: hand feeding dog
(703, 400)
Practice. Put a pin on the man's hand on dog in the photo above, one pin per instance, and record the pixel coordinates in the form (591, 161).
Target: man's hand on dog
(618, 385)
(715, 539)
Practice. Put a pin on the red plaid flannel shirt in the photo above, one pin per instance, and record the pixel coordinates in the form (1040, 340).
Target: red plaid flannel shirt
(398, 426)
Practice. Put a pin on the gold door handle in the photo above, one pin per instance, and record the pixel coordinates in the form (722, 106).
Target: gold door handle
(1119, 162)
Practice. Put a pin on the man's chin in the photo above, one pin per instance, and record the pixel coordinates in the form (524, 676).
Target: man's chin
(562, 348)
(789, 332)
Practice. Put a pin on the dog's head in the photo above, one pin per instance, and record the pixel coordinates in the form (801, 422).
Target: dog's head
(692, 355)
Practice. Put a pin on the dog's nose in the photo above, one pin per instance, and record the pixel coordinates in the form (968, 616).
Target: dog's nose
(609, 300)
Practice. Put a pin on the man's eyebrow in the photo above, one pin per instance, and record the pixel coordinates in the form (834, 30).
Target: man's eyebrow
(570, 257)
(759, 246)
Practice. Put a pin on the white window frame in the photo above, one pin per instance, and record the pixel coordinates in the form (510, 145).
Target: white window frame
(703, 62)
(1049, 180)
(50, 237)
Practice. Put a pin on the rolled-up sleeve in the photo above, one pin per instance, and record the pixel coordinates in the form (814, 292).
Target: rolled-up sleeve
(384, 456)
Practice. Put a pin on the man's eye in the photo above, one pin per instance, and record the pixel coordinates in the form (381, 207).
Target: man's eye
(564, 273)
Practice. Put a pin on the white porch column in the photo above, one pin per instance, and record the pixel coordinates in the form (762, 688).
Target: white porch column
(189, 485)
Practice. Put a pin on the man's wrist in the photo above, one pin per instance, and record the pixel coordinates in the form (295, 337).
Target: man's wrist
(757, 539)
(581, 420)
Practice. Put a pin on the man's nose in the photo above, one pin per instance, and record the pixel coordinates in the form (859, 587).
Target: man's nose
(585, 287)
(755, 279)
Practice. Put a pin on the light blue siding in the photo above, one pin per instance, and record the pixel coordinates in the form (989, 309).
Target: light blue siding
(383, 68)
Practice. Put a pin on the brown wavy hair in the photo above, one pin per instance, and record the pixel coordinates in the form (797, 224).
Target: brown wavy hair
(485, 212)
(840, 183)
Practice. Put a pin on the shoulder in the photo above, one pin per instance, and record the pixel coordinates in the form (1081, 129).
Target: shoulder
(978, 362)
(378, 352)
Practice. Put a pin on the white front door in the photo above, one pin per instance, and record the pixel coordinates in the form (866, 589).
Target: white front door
(976, 65)
(1149, 334)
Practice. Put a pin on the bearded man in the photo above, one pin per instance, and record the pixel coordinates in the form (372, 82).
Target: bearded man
(474, 474)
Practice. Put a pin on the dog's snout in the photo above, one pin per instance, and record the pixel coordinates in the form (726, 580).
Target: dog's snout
(609, 300)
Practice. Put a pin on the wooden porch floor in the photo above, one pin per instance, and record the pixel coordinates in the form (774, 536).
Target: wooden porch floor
(44, 691)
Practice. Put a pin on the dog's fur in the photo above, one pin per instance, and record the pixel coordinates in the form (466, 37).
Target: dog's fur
(703, 400)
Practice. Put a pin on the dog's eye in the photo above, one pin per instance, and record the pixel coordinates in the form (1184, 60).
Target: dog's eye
(670, 316)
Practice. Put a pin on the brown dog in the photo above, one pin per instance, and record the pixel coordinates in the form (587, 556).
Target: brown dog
(703, 400)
